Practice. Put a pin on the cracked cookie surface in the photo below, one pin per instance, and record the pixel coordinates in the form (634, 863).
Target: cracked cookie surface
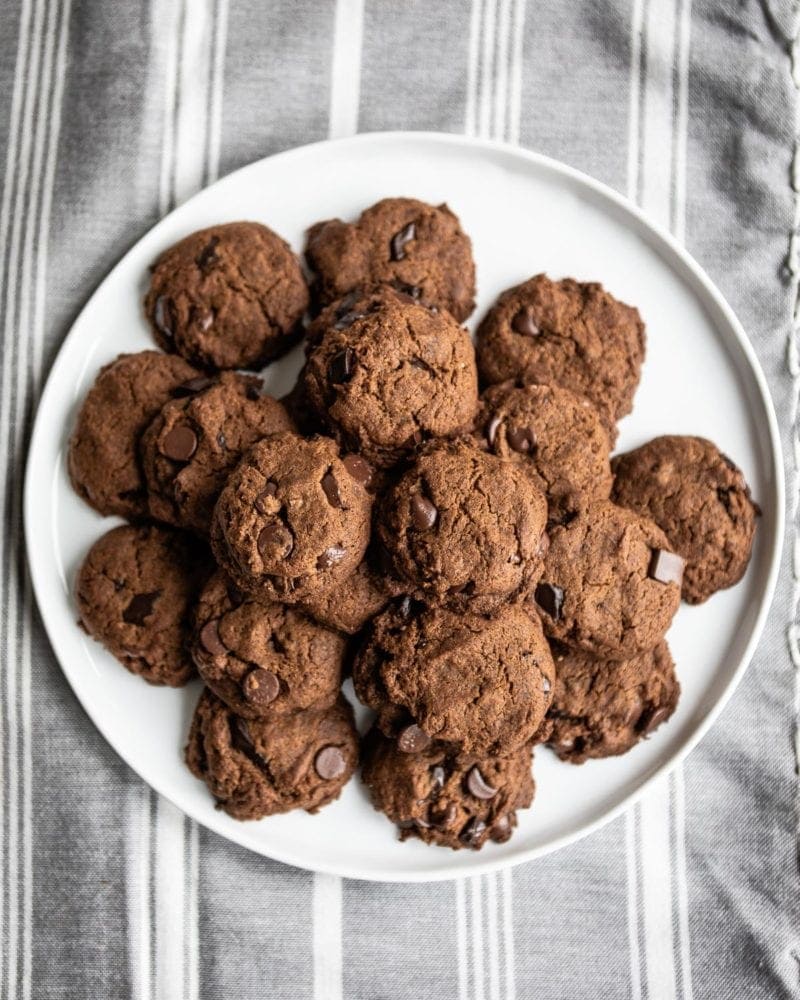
(230, 296)
(700, 500)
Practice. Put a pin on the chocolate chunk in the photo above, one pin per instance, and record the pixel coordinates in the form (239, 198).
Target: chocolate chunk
(260, 501)
(438, 776)
(501, 829)
(205, 320)
(140, 607)
(179, 444)
(472, 832)
(423, 512)
(253, 390)
(654, 719)
(222, 441)
(521, 439)
(478, 786)
(198, 384)
(423, 366)
(162, 316)
(210, 639)
(546, 685)
(412, 739)
(340, 369)
(398, 241)
(491, 430)
(275, 540)
(347, 319)
(359, 469)
(525, 324)
(333, 554)
(260, 687)
(207, 257)
(550, 598)
(330, 763)
(666, 567)
(442, 815)
(331, 490)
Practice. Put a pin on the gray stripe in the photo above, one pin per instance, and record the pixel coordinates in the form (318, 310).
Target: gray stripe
(639, 890)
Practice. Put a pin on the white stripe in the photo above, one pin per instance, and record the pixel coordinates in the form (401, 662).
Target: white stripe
(508, 935)
(793, 364)
(137, 889)
(634, 98)
(165, 35)
(658, 110)
(192, 930)
(487, 69)
(682, 884)
(492, 936)
(327, 921)
(194, 81)
(654, 848)
(220, 44)
(633, 904)
(682, 123)
(470, 111)
(346, 68)
(476, 914)
(169, 887)
(515, 90)
(501, 88)
(461, 939)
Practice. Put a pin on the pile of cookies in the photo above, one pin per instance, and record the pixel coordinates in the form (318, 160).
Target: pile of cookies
(475, 560)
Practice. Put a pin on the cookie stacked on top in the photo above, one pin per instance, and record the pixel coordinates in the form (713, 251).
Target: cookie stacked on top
(491, 579)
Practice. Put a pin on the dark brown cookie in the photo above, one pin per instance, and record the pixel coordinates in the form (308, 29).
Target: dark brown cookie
(395, 376)
(260, 767)
(555, 434)
(602, 708)
(292, 521)
(135, 592)
(572, 334)
(444, 799)
(261, 658)
(419, 248)
(194, 443)
(481, 684)
(464, 528)
(701, 502)
(611, 585)
(231, 296)
(102, 460)
(350, 605)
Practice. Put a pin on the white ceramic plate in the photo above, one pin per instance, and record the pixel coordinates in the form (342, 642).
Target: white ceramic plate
(525, 214)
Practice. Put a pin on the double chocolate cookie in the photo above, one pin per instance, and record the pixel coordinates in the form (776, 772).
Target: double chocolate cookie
(350, 605)
(602, 708)
(260, 767)
(465, 528)
(102, 461)
(566, 333)
(389, 374)
(611, 583)
(481, 684)
(419, 248)
(193, 444)
(445, 799)
(556, 435)
(700, 500)
(231, 296)
(293, 519)
(135, 592)
(263, 658)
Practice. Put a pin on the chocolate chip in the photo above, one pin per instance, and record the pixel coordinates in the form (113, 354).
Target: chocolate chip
(347, 319)
(331, 490)
(525, 324)
(208, 255)
(260, 687)
(341, 366)
(412, 292)
(423, 512)
(333, 554)
(179, 444)
(650, 722)
(546, 685)
(438, 776)
(501, 829)
(275, 541)
(330, 763)
(550, 598)
(491, 430)
(478, 786)
(359, 469)
(412, 739)
(205, 320)
(423, 366)
(222, 441)
(197, 384)
(346, 304)
(398, 241)
(210, 640)
(405, 608)
(442, 815)
(473, 832)
(140, 607)
(253, 389)
(163, 316)
(666, 567)
(260, 501)
(521, 439)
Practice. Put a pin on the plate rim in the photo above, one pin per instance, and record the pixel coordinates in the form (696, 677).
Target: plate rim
(469, 144)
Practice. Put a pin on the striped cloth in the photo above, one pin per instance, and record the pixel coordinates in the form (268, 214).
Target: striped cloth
(113, 112)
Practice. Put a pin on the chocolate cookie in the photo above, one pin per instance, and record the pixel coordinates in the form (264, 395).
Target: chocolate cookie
(293, 519)
(444, 799)
(349, 606)
(260, 767)
(419, 248)
(465, 528)
(481, 684)
(395, 375)
(231, 296)
(261, 658)
(135, 592)
(701, 502)
(611, 584)
(193, 444)
(556, 435)
(602, 708)
(568, 333)
(102, 460)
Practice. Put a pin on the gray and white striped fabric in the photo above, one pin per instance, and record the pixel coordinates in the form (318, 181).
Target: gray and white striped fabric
(110, 114)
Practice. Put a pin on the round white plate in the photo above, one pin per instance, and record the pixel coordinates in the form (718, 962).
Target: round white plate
(525, 214)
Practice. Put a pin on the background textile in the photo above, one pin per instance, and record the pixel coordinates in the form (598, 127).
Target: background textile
(110, 114)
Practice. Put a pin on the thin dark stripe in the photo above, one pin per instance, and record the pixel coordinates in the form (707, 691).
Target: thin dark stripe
(152, 799)
(640, 928)
(187, 869)
(212, 81)
(173, 194)
(676, 913)
(642, 110)
(676, 79)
